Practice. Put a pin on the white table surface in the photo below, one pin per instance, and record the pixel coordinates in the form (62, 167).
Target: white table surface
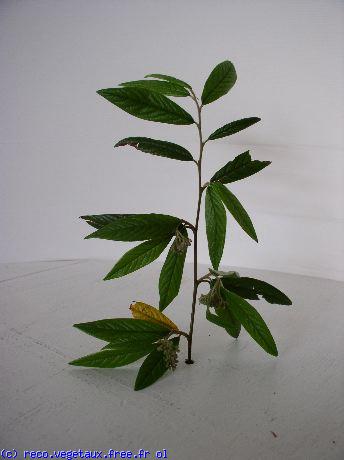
(236, 402)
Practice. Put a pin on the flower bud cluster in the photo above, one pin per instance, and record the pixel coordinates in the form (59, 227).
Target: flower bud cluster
(170, 352)
(214, 298)
(180, 243)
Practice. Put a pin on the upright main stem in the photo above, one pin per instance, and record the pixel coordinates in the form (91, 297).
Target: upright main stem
(195, 230)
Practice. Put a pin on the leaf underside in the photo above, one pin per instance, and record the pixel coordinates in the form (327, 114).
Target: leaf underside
(169, 78)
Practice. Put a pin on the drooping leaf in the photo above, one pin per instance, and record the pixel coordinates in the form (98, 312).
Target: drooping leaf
(113, 329)
(100, 220)
(169, 78)
(153, 367)
(138, 257)
(156, 147)
(216, 223)
(142, 310)
(147, 105)
(219, 82)
(251, 288)
(251, 321)
(138, 227)
(224, 318)
(114, 357)
(236, 209)
(233, 127)
(163, 87)
(171, 275)
(242, 166)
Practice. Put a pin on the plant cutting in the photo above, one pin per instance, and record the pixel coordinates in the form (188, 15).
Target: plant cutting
(150, 333)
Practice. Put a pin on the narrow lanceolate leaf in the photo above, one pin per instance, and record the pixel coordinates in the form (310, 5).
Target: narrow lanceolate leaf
(114, 329)
(100, 220)
(224, 318)
(216, 222)
(153, 367)
(142, 310)
(236, 209)
(251, 321)
(138, 227)
(251, 288)
(147, 105)
(163, 87)
(219, 82)
(156, 147)
(233, 127)
(242, 166)
(138, 257)
(171, 275)
(174, 80)
(114, 357)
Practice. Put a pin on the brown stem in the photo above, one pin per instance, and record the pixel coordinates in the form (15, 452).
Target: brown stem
(200, 191)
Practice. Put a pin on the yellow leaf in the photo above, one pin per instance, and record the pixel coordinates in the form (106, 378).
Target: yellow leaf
(141, 310)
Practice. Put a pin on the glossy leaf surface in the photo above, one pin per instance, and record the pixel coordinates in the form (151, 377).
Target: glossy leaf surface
(233, 127)
(138, 227)
(138, 257)
(216, 223)
(156, 147)
(236, 209)
(219, 82)
(147, 105)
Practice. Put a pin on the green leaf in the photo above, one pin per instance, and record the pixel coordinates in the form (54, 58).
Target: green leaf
(236, 209)
(171, 275)
(114, 329)
(216, 222)
(138, 227)
(138, 257)
(168, 78)
(224, 318)
(114, 357)
(147, 105)
(233, 127)
(242, 166)
(251, 288)
(100, 220)
(219, 82)
(128, 343)
(251, 321)
(163, 87)
(156, 147)
(153, 367)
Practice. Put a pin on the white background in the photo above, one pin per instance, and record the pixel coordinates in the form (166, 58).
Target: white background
(57, 134)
